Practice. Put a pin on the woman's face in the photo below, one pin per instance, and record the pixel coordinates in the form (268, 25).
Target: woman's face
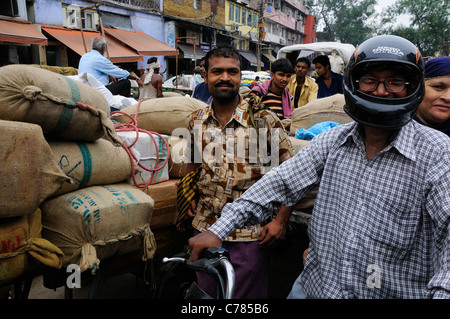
(435, 107)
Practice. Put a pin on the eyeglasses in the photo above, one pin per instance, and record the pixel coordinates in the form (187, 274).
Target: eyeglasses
(392, 85)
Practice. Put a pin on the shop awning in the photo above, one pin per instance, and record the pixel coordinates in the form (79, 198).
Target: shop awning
(141, 42)
(20, 31)
(250, 57)
(73, 39)
(188, 51)
(269, 56)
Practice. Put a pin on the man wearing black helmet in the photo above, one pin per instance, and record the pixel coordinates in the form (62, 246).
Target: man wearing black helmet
(381, 219)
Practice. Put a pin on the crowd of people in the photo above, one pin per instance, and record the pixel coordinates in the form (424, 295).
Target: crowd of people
(380, 226)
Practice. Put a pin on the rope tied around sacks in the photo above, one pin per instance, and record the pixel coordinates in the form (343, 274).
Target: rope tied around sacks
(132, 126)
(34, 93)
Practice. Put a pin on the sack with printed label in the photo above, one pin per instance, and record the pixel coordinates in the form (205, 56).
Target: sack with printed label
(22, 249)
(96, 222)
(64, 108)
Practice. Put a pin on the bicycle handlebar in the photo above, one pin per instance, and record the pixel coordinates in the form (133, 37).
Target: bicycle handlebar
(215, 258)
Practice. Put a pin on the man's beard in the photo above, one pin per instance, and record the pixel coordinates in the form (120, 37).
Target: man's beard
(225, 96)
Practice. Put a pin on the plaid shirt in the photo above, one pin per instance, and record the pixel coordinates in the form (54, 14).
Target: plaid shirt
(379, 228)
(226, 176)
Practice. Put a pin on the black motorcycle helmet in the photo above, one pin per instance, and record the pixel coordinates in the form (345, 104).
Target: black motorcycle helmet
(384, 52)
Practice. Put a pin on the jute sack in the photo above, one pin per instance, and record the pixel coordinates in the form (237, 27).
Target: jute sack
(298, 144)
(29, 174)
(320, 110)
(165, 196)
(161, 115)
(96, 222)
(171, 94)
(22, 249)
(88, 164)
(179, 159)
(64, 108)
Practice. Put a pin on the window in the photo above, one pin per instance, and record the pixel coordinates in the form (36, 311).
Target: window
(249, 19)
(9, 8)
(198, 4)
(244, 16)
(231, 13)
(238, 15)
(87, 20)
(255, 20)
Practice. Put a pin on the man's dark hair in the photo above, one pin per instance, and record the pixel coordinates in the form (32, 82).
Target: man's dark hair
(222, 50)
(283, 65)
(322, 59)
(152, 59)
(304, 60)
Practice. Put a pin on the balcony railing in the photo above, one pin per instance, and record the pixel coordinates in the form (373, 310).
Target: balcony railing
(136, 4)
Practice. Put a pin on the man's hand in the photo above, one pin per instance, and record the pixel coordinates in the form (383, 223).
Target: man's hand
(276, 230)
(272, 233)
(202, 241)
(192, 209)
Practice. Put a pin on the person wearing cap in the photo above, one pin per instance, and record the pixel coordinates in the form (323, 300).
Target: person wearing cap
(381, 220)
(434, 111)
(152, 81)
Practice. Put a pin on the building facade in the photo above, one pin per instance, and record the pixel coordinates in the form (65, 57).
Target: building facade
(178, 32)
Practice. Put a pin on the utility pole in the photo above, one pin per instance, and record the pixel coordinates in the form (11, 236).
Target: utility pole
(260, 33)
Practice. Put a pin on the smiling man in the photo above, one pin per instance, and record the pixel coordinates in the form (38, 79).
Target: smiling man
(380, 227)
(228, 128)
(273, 93)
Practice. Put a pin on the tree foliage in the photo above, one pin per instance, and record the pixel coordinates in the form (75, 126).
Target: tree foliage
(347, 21)
(344, 20)
(430, 24)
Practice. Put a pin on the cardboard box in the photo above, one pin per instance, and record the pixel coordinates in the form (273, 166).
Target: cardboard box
(165, 210)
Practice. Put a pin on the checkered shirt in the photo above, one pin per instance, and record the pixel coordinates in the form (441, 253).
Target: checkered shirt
(379, 228)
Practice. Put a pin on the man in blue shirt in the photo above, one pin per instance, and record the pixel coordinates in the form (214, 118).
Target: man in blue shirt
(201, 91)
(102, 68)
(329, 83)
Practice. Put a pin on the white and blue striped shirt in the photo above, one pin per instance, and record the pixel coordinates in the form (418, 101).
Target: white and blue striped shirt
(379, 228)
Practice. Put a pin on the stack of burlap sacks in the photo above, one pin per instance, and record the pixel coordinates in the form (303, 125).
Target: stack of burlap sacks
(167, 116)
(64, 171)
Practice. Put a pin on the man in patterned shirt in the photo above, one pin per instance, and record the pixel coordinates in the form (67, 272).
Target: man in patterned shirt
(381, 220)
(236, 144)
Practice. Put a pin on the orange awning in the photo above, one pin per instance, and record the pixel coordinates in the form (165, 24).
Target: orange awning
(73, 39)
(20, 31)
(141, 42)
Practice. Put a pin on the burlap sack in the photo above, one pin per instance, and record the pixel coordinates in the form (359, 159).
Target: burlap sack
(64, 108)
(64, 70)
(29, 174)
(298, 144)
(179, 159)
(162, 115)
(171, 94)
(96, 222)
(88, 164)
(165, 196)
(22, 249)
(320, 110)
